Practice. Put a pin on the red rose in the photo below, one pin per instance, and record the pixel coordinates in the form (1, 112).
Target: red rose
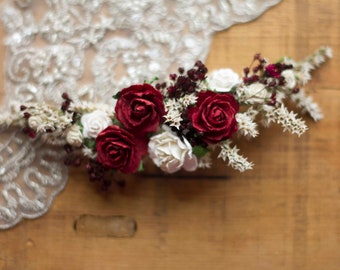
(140, 108)
(213, 117)
(118, 149)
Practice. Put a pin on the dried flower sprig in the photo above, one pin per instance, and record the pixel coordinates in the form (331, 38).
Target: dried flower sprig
(177, 123)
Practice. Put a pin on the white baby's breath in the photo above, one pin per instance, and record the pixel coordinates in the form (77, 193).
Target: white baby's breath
(304, 68)
(246, 126)
(173, 118)
(235, 160)
(307, 104)
(74, 136)
(290, 79)
(84, 107)
(252, 113)
(172, 104)
(187, 100)
(44, 118)
(303, 75)
(327, 51)
(288, 120)
(205, 162)
(88, 152)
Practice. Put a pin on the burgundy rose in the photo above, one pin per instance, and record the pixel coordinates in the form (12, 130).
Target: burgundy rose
(120, 150)
(213, 117)
(140, 108)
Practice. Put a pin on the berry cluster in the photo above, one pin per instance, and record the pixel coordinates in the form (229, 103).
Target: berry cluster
(187, 131)
(269, 75)
(27, 130)
(102, 176)
(185, 82)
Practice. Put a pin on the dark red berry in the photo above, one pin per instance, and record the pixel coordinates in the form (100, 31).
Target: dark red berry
(68, 148)
(65, 96)
(32, 134)
(26, 130)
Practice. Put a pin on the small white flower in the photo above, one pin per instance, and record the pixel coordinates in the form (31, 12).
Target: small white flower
(35, 122)
(171, 154)
(172, 104)
(304, 73)
(307, 104)
(74, 136)
(88, 152)
(254, 93)
(187, 100)
(174, 118)
(222, 80)
(328, 51)
(235, 160)
(318, 59)
(289, 61)
(290, 78)
(205, 162)
(94, 122)
(246, 125)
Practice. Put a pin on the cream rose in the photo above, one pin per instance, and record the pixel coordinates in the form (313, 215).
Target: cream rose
(171, 154)
(254, 93)
(35, 122)
(74, 136)
(222, 80)
(94, 122)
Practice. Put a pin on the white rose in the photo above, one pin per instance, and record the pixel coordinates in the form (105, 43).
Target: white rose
(290, 78)
(35, 122)
(222, 80)
(171, 154)
(254, 93)
(94, 122)
(74, 136)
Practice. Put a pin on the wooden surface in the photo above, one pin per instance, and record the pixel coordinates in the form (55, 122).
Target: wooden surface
(285, 214)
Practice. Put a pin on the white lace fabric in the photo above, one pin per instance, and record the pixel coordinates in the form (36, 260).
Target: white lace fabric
(91, 49)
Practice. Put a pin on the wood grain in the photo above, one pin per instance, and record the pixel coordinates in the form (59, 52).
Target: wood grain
(285, 214)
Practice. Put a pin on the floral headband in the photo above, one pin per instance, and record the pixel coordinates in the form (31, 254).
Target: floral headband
(178, 124)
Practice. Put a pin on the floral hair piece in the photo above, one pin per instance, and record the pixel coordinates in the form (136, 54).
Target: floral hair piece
(177, 123)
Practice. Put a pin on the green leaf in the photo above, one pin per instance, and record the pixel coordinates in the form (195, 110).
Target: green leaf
(116, 122)
(199, 151)
(80, 124)
(90, 143)
(280, 60)
(141, 167)
(116, 96)
(151, 81)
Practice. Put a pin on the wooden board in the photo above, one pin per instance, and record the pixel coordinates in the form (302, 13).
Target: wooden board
(285, 214)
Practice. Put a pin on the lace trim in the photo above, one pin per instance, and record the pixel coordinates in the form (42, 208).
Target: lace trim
(91, 49)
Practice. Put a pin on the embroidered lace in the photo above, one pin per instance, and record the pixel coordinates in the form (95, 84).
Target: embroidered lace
(91, 49)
